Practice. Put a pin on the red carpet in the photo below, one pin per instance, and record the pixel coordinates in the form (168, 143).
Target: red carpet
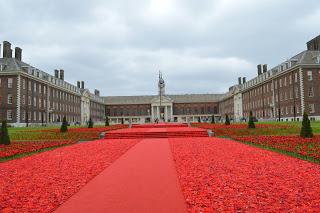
(142, 180)
(157, 131)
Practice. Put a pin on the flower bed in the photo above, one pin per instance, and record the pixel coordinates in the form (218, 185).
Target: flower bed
(26, 141)
(242, 129)
(219, 175)
(308, 147)
(40, 183)
(29, 146)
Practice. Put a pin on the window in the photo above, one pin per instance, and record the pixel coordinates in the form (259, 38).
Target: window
(310, 92)
(280, 82)
(290, 79)
(23, 99)
(29, 85)
(311, 108)
(285, 81)
(309, 75)
(23, 84)
(34, 101)
(34, 116)
(29, 100)
(23, 115)
(9, 115)
(10, 99)
(297, 92)
(296, 77)
(35, 87)
(9, 82)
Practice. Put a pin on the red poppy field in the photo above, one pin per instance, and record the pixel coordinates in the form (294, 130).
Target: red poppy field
(212, 174)
(40, 183)
(226, 176)
(26, 141)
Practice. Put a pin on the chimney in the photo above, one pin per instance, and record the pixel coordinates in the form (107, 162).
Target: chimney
(82, 84)
(56, 73)
(18, 53)
(62, 75)
(7, 51)
(239, 80)
(265, 68)
(314, 44)
(78, 84)
(259, 66)
(244, 80)
(96, 92)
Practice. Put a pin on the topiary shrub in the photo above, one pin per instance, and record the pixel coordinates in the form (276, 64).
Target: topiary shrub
(199, 120)
(107, 121)
(4, 135)
(306, 130)
(227, 122)
(64, 125)
(122, 121)
(251, 124)
(90, 123)
(212, 119)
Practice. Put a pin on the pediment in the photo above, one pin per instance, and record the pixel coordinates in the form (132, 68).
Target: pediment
(164, 99)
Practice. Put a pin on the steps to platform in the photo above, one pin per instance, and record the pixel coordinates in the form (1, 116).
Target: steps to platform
(163, 130)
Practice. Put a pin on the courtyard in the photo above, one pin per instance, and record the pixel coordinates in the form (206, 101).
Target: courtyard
(165, 167)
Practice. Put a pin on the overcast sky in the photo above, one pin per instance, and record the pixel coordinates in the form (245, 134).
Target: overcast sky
(118, 46)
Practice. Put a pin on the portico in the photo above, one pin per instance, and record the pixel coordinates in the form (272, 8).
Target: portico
(162, 109)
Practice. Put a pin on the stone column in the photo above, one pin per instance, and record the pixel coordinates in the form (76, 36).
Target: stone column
(158, 112)
(152, 114)
(165, 113)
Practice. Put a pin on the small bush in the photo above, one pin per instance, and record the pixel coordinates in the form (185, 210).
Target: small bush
(90, 123)
(306, 130)
(251, 124)
(64, 125)
(4, 135)
(227, 122)
(212, 119)
(107, 121)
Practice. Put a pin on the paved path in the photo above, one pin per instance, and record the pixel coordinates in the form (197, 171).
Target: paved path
(142, 180)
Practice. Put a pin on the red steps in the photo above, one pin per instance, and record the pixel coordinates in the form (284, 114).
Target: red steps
(176, 134)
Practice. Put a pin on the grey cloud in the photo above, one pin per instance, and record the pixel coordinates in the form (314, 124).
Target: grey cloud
(119, 46)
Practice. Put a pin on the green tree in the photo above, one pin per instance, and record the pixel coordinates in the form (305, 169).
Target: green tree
(64, 125)
(227, 122)
(251, 124)
(90, 124)
(107, 121)
(199, 120)
(212, 119)
(306, 130)
(122, 120)
(4, 135)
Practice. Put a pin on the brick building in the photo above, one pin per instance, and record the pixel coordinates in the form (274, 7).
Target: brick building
(31, 96)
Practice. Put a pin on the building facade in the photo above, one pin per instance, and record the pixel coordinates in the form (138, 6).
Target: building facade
(31, 96)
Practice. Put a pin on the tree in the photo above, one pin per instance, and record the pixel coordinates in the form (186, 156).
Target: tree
(122, 121)
(306, 130)
(199, 120)
(251, 124)
(64, 125)
(4, 135)
(90, 124)
(212, 119)
(107, 121)
(227, 122)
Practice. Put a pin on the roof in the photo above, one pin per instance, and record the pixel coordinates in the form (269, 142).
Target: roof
(147, 99)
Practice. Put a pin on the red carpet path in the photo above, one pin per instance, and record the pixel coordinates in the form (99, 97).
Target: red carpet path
(142, 180)
(198, 174)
